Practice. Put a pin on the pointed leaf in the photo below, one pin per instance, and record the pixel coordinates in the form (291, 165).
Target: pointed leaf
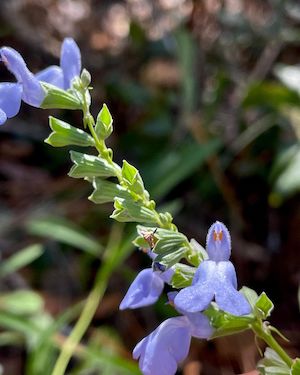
(105, 191)
(90, 166)
(64, 134)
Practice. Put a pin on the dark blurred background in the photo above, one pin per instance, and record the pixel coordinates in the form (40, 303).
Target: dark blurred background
(205, 101)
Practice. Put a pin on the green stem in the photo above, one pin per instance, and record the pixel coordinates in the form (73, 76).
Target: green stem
(92, 302)
(263, 331)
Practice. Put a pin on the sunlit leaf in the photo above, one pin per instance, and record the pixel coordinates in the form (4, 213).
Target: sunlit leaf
(90, 166)
(64, 134)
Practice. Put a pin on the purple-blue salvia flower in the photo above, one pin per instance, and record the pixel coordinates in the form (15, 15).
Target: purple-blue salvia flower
(27, 88)
(215, 279)
(70, 66)
(145, 288)
(168, 345)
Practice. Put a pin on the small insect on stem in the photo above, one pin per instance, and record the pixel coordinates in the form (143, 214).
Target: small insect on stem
(150, 238)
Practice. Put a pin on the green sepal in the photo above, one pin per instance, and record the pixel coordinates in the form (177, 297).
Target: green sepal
(174, 256)
(104, 123)
(90, 166)
(196, 253)
(226, 324)
(105, 191)
(140, 242)
(250, 295)
(57, 98)
(171, 247)
(167, 240)
(131, 211)
(263, 306)
(132, 179)
(272, 364)
(64, 135)
(183, 276)
(295, 370)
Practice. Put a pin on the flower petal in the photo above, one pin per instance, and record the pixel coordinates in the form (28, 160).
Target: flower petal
(53, 75)
(226, 271)
(164, 348)
(197, 297)
(70, 61)
(206, 271)
(230, 300)
(218, 242)
(10, 99)
(144, 290)
(33, 92)
(194, 298)
(200, 326)
(167, 275)
(3, 117)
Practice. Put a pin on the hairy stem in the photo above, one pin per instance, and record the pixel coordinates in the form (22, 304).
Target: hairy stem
(262, 331)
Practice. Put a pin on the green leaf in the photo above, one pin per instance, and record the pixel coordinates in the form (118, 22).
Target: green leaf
(140, 242)
(104, 122)
(90, 166)
(272, 364)
(132, 178)
(21, 302)
(263, 306)
(250, 294)
(183, 276)
(63, 231)
(57, 98)
(21, 259)
(130, 211)
(295, 370)
(227, 324)
(64, 134)
(105, 191)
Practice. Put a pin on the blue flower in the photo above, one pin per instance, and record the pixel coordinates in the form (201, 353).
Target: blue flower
(27, 87)
(145, 289)
(70, 66)
(168, 345)
(215, 279)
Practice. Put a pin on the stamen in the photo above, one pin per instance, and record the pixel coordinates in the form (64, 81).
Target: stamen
(217, 236)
